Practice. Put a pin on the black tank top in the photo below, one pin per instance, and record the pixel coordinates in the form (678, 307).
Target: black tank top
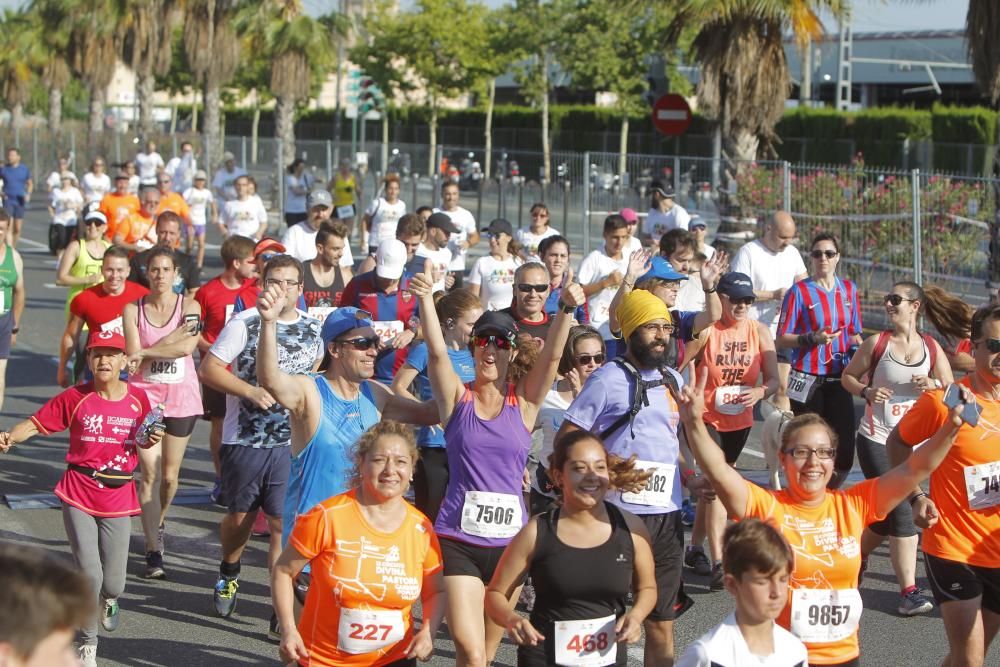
(573, 584)
(315, 295)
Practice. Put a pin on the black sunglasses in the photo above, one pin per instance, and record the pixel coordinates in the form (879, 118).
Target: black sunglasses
(895, 299)
(501, 342)
(361, 344)
(526, 287)
(743, 300)
(585, 359)
(829, 254)
(95, 222)
(992, 345)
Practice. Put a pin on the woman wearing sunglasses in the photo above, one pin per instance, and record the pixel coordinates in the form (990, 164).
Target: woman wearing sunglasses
(820, 323)
(889, 372)
(487, 430)
(457, 311)
(492, 276)
(584, 353)
(823, 526)
(738, 352)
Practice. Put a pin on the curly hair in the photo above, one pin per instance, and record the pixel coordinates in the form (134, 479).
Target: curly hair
(384, 429)
(527, 355)
(621, 472)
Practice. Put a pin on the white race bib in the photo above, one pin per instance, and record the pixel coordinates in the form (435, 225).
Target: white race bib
(727, 400)
(388, 330)
(659, 487)
(321, 312)
(491, 515)
(800, 386)
(163, 371)
(894, 409)
(363, 631)
(822, 615)
(982, 485)
(586, 643)
(116, 325)
(345, 211)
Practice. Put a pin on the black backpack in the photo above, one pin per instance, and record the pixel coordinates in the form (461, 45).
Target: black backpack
(640, 397)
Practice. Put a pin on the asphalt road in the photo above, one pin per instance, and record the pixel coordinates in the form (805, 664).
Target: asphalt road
(172, 622)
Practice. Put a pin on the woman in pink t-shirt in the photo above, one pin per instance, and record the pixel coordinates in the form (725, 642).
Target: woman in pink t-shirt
(161, 333)
(97, 490)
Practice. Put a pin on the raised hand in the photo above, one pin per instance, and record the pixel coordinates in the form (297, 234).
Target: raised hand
(271, 302)
(713, 269)
(638, 263)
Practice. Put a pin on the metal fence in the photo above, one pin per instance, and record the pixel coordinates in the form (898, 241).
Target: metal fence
(891, 224)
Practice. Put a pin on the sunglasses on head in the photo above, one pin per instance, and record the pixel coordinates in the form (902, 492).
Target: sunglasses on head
(829, 254)
(268, 256)
(992, 345)
(585, 359)
(501, 342)
(527, 287)
(361, 344)
(896, 299)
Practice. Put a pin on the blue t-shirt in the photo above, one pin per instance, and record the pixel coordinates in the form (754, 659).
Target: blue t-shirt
(605, 397)
(15, 179)
(465, 368)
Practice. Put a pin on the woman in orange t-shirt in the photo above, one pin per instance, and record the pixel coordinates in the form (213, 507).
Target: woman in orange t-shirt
(823, 526)
(738, 352)
(371, 555)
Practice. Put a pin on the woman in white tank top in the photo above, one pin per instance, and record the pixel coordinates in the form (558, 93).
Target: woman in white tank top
(889, 372)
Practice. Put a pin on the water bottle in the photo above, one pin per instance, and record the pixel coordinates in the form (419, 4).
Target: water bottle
(153, 420)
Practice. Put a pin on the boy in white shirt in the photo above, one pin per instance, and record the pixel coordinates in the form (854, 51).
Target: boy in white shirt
(201, 201)
(757, 562)
(436, 251)
(602, 271)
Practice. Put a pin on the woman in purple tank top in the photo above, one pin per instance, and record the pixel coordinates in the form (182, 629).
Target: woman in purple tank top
(487, 428)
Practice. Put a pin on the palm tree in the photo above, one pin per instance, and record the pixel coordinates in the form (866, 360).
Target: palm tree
(18, 58)
(298, 47)
(212, 45)
(52, 25)
(92, 52)
(147, 45)
(982, 25)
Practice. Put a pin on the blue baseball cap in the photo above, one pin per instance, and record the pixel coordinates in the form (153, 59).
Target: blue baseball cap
(663, 270)
(343, 320)
(736, 285)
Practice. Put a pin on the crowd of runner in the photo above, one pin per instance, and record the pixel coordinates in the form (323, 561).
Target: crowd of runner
(555, 419)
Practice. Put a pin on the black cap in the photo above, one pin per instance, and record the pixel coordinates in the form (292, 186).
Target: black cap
(500, 226)
(443, 221)
(735, 285)
(495, 321)
(664, 189)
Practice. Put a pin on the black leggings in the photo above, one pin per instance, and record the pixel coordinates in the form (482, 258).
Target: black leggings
(832, 402)
(730, 442)
(430, 480)
(875, 462)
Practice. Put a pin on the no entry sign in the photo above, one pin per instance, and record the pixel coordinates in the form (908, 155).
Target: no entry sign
(671, 115)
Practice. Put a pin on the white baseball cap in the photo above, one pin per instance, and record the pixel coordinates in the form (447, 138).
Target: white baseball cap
(390, 258)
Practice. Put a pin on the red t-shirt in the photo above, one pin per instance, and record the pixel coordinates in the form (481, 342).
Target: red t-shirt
(216, 301)
(101, 436)
(102, 311)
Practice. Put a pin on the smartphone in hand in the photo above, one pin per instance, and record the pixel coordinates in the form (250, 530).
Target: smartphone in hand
(193, 319)
(970, 413)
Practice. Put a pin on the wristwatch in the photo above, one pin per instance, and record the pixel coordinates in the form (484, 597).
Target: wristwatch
(566, 308)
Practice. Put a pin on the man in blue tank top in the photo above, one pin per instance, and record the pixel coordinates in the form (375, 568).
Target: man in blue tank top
(330, 410)
(607, 407)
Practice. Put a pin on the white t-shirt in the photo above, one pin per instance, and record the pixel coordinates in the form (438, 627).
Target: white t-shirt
(297, 203)
(659, 223)
(725, 645)
(708, 251)
(146, 165)
(495, 279)
(530, 241)
(54, 181)
(594, 267)
(67, 204)
(768, 271)
(95, 187)
(466, 223)
(223, 182)
(384, 217)
(691, 295)
(440, 261)
(200, 201)
(133, 184)
(630, 247)
(181, 169)
(244, 217)
(550, 418)
(300, 243)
